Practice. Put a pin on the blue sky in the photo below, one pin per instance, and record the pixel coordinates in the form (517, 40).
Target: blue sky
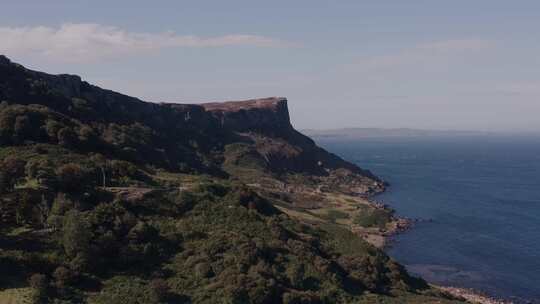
(420, 64)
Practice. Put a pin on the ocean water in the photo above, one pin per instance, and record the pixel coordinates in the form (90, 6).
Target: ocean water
(480, 197)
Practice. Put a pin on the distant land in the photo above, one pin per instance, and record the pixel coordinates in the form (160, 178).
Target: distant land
(354, 133)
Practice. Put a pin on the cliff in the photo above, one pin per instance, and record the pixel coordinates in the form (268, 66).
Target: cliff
(214, 138)
(266, 115)
(266, 123)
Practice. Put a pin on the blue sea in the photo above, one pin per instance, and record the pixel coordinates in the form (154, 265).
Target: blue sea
(480, 199)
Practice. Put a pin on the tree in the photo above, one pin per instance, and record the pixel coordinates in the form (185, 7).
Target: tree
(40, 284)
(25, 207)
(12, 169)
(41, 169)
(76, 237)
(160, 289)
(52, 127)
(32, 167)
(88, 137)
(4, 183)
(67, 137)
(44, 210)
(60, 206)
(295, 274)
(103, 164)
(6, 127)
(22, 128)
(71, 177)
(63, 277)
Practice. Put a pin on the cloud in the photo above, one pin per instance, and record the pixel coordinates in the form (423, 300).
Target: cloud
(89, 42)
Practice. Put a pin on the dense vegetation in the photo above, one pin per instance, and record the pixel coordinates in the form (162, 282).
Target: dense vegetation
(107, 199)
(218, 243)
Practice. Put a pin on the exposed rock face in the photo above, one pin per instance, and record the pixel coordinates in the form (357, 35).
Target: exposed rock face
(266, 115)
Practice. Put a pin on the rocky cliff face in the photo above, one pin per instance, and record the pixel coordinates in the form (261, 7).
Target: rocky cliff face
(266, 122)
(174, 136)
(266, 115)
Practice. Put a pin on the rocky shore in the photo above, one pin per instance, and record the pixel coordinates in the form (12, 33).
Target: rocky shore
(395, 226)
(472, 296)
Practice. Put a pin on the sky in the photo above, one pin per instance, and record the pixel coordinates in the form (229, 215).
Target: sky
(448, 65)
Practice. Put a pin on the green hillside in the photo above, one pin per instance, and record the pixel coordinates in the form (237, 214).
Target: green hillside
(108, 199)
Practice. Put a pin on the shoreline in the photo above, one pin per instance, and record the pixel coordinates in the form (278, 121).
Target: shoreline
(396, 226)
(471, 295)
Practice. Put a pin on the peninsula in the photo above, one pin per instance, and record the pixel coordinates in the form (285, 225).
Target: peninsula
(105, 198)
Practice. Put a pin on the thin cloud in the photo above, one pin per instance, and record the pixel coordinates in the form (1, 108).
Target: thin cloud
(89, 42)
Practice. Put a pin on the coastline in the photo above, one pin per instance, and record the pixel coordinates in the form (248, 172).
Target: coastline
(396, 226)
(402, 225)
(471, 295)
(380, 237)
(468, 200)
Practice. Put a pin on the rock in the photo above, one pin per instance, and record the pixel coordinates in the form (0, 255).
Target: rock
(267, 115)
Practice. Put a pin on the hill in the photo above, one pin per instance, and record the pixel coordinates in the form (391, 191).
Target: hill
(105, 198)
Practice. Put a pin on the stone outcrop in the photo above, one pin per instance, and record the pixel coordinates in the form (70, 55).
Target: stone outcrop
(267, 115)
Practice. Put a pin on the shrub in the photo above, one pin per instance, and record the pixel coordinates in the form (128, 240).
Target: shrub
(334, 215)
(203, 270)
(373, 218)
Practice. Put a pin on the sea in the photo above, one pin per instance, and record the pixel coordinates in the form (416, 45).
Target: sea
(477, 199)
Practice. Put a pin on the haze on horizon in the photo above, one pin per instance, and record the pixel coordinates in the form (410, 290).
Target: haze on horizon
(453, 65)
